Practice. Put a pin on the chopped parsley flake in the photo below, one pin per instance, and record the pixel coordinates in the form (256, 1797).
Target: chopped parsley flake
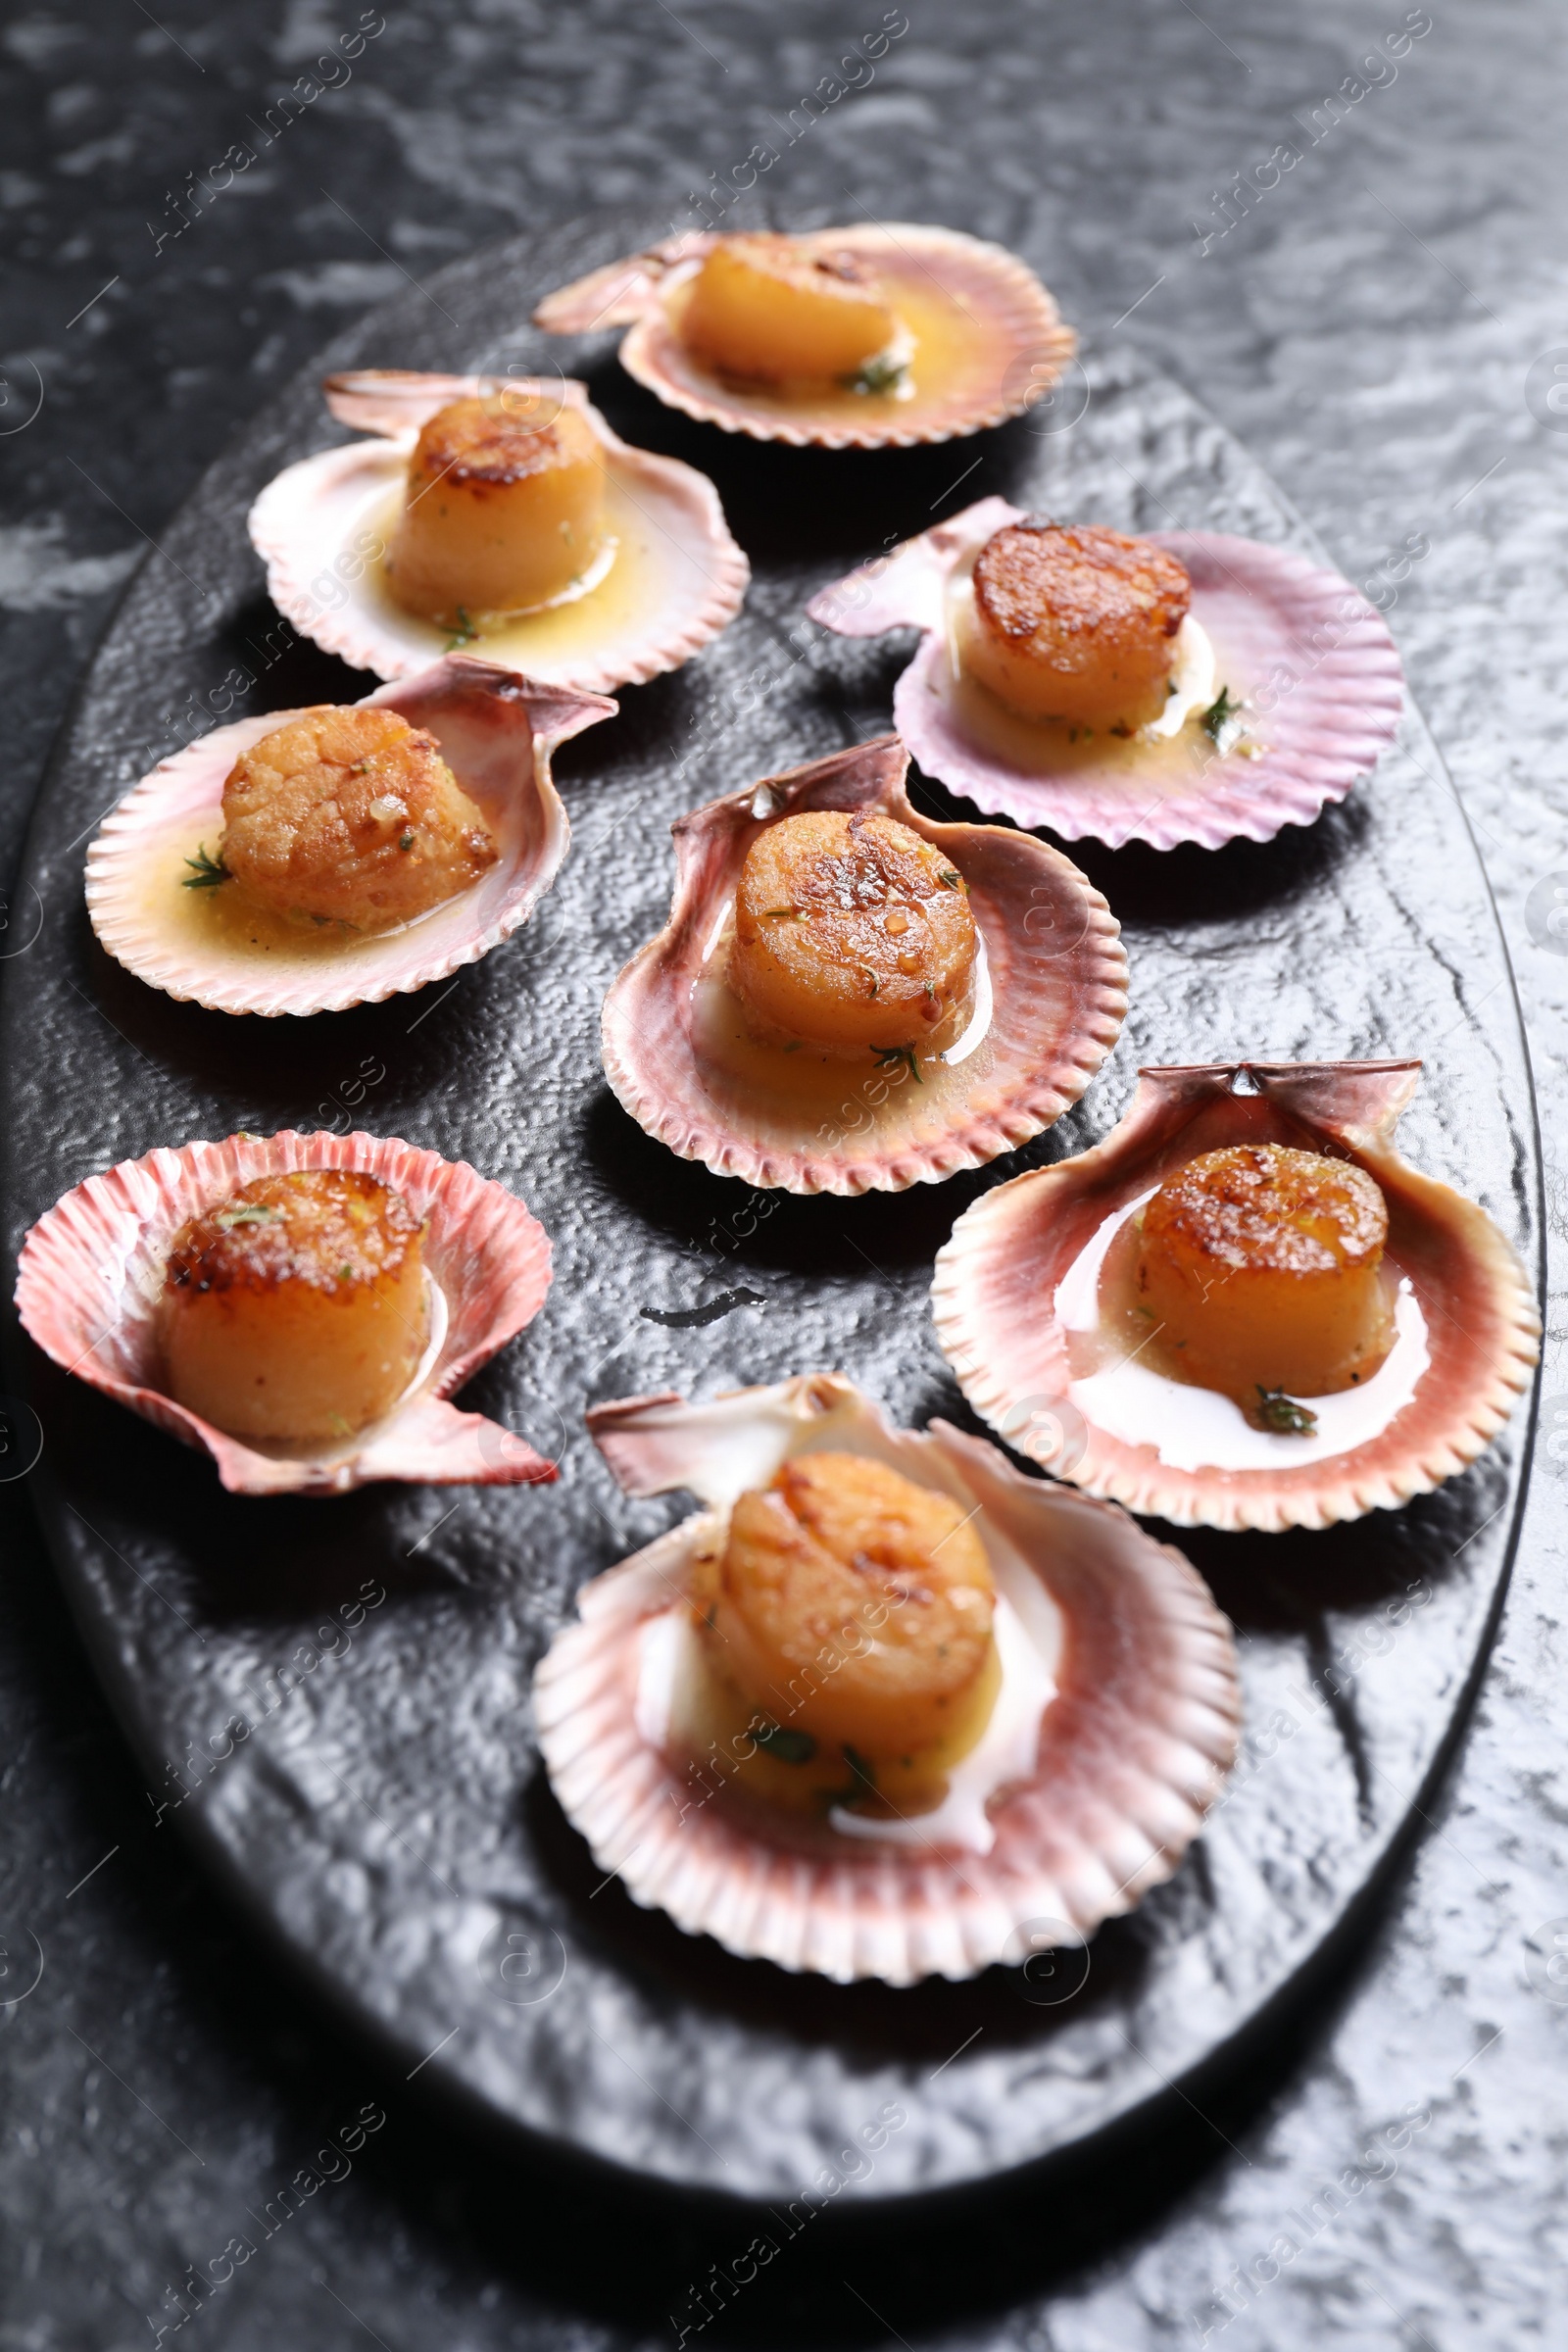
(1281, 1413)
(777, 1739)
(880, 374)
(1221, 711)
(464, 634)
(249, 1212)
(407, 842)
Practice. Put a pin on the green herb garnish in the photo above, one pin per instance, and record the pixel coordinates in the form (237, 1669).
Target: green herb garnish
(1221, 711)
(1281, 1413)
(205, 872)
(949, 880)
(780, 915)
(862, 1781)
(880, 374)
(777, 1739)
(407, 842)
(888, 1057)
(465, 633)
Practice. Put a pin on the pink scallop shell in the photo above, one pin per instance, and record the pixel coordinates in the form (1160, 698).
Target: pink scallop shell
(497, 732)
(1058, 977)
(91, 1275)
(1311, 656)
(1017, 343)
(996, 1282)
(1133, 1750)
(316, 522)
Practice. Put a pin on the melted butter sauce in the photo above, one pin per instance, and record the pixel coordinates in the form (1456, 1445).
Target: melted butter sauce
(808, 1094)
(612, 600)
(1121, 1384)
(231, 935)
(1167, 757)
(946, 354)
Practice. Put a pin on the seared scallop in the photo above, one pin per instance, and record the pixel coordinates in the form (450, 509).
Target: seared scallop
(504, 509)
(1260, 1265)
(768, 308)
(849, 931)
(295, 1309)
(351, 814)
(850, 1614)
(1076, 623)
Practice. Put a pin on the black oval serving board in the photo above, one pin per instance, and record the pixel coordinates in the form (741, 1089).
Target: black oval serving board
(332, 1698)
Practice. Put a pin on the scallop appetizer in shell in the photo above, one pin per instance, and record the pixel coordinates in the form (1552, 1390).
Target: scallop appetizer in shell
(851, 997)
(299, 1306)
(1243, 1308)
(871, 337)
(305, 860)
(499, 514)
(883, 1701)
(1182, 686)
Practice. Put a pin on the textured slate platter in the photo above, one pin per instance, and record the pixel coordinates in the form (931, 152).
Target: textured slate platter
(385, 1817)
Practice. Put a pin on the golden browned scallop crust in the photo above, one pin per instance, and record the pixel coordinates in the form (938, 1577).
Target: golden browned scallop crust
(1271, 1206)
(498, 440)
(333, 1228)
(850, 930)
(351, 815)
(1259, 1267)
(1076, 622)
(1076, 579)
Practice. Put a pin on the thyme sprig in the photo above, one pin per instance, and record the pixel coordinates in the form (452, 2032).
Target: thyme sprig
(888, 1057)
(205, 872)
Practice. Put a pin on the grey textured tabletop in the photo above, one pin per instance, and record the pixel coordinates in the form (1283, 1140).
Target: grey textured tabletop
(1337, 227)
